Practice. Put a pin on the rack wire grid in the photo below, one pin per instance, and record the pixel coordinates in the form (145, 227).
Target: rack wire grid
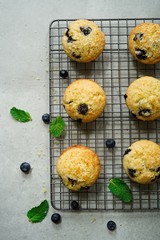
(114, 70)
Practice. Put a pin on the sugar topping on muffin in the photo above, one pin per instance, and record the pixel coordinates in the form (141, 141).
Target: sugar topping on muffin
(79, 167)
(143, 98)
(84, 100)
(144, 43)
(141, 161)
(83, 41)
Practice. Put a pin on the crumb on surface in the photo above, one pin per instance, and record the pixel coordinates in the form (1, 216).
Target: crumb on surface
(44, 190)
(93, 220)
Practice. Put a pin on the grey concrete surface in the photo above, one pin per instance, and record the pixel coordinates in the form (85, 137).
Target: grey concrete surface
(24, 78)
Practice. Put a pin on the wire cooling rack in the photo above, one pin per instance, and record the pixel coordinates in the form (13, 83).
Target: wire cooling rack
(114, 70)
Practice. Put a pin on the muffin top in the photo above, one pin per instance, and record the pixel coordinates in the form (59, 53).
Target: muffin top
(141, 161)
(83, 41)
(78, 167)
(143, 98)
(84, 100)
(144, 43)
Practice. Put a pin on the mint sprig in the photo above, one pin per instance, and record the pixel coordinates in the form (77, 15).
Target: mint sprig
(20, 115)
(120, 189)
(37, 214)
(57, 127)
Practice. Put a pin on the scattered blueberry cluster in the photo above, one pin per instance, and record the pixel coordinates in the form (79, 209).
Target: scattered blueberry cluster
(110, 143)
(56, 217)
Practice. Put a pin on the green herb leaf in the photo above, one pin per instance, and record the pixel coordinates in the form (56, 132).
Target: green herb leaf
(57, 127)
(20, 115)
(120, 189)
(37, 214)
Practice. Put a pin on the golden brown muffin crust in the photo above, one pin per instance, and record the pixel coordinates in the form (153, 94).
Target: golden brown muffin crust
(144, 43)
(141, 161)
(84, 100)
(79, 167)
(143, 98)
(83, 41)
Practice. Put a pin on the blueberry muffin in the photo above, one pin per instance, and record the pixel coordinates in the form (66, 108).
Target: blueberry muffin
(79, 167)
(141, 162)
(143, 98)
(84, 100)
(83, 41)
(144, 43)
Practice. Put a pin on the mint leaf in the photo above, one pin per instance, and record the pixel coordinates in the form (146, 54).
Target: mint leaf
(37, 214)
(20, 115)
(120, 189)
(57, 127)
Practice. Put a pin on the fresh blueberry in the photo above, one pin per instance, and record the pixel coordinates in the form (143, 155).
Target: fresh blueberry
(46, 118)
(56, 218)
(83, 108)
(110, 143)
(74, 205)
(63, 73)
(111, 225)
(25, 167)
